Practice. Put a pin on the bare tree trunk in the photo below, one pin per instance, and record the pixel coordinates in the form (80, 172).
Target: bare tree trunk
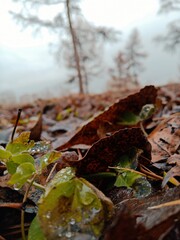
(76, 55)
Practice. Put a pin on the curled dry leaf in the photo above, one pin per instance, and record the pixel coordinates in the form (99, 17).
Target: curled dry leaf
(37, 129)
(165, 138)
(107, 151)
(111, 119)
(173, 172)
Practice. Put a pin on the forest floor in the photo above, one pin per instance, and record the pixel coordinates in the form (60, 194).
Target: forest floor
(124, 146)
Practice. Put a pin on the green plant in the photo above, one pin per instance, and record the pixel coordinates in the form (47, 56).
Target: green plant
(85, 209)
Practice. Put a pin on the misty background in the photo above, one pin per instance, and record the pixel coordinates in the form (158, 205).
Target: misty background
(30, 70)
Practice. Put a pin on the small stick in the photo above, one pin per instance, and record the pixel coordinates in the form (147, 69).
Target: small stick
(15, 126)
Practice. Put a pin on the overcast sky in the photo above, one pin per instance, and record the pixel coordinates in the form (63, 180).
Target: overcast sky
(26, 64)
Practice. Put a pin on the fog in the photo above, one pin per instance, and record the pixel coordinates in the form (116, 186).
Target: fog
(31, 69)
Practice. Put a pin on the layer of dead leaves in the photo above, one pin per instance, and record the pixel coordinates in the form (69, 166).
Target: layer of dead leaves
(89, 132)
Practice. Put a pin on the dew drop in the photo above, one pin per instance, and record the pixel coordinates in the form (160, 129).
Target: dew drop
(72, 221)
(16, 188)
(142, 188)
(68, 234)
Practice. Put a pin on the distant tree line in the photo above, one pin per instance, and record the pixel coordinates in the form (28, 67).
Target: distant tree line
(82, 43)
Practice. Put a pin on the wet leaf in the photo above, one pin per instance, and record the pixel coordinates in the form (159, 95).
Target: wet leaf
(129, 118)
(20, 144)
(35, 231)
(22, 158)
(4, 155)
(144, 222)
(23, 172)
(126, 179)
(109, 120)
(70, 207)
(18, 159)
(109, 150)
(49, 158)
(130, 158)
(39, 147)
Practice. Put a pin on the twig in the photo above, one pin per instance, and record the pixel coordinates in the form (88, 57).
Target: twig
(167, 204)
(16, 123)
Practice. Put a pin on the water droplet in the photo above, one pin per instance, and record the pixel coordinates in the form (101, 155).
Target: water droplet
(142, 188)
(16, 187)
(68, 234)
(72, 221)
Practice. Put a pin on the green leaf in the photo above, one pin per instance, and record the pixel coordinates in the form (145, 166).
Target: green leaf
(35, 232)
(131, 177)
(16, 160)
(126, 179)
(20, 144)
(11, 167)
(23, 172)
(49, 158)
(22, 158)
(120, 182)
(16, 148)
(71, 207)
(4, 155)
(129, 118)
(22, 138)
(130, 158)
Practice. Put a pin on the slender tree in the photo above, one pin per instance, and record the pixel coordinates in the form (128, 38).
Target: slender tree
(134, 56)
(90, 48)
(65, 24)
(128, 63)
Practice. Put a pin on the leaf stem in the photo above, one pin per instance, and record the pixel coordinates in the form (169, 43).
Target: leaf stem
(142, 128)
(22, 211)
(37, 185)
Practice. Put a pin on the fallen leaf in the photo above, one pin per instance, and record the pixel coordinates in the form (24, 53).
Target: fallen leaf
(110, 120)
(173, 172)
(147, 223)
(108, 151)
(37, 129)
(165, 138)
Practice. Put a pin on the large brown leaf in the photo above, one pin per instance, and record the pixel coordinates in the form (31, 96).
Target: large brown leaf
(107, 151)
(109, 120)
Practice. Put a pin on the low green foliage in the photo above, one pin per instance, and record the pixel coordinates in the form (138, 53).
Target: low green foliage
(130, 118)
(128, 176)
(69, 205)
(17, 156)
